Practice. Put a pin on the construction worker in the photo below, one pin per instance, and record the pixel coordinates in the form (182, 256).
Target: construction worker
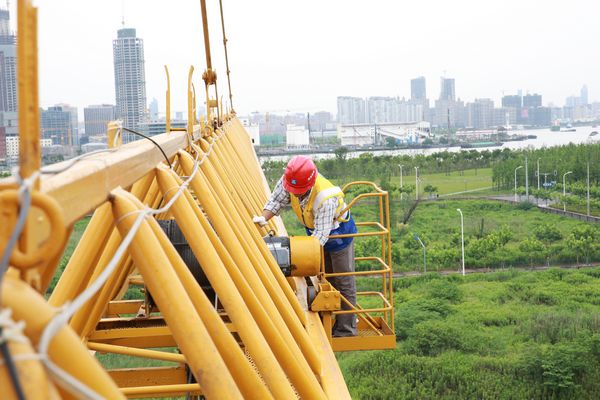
(318, 204)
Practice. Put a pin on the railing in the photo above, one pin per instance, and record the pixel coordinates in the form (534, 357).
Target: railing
(368, 322)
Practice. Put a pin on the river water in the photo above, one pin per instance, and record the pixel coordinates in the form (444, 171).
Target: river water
(545, 138)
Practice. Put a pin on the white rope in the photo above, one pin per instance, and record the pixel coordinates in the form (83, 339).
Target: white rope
(70, 308)
(11, 331)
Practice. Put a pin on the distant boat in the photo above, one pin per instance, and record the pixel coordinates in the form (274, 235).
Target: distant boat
(555, 128)
(594, 133)
(531, 136)
(476, 145)
(569, 130)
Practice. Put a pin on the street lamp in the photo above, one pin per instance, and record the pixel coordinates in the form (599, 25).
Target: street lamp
(416, 183)
(564, 190)
(588, 189)
(526, 180)
(401, 181)
(538, 172)
(520, 166)
(418, 239)
(462, 239)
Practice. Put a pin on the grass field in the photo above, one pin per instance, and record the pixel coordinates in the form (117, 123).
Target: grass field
(502, 335)
(456, 181)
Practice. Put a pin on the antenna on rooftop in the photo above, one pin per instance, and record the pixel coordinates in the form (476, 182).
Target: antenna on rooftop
(123, 13)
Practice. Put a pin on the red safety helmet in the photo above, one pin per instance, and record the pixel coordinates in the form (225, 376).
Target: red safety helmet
(300, 175)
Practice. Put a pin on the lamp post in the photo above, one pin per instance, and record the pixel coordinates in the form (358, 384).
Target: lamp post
(564, 190)
(526, 180)
(462, 238)
(538, 173)
(418, 239)
(401, 181)
(416, 183)
(520, 166)
(588, 189)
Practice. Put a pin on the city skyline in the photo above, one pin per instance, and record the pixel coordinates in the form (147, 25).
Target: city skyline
(277, 63)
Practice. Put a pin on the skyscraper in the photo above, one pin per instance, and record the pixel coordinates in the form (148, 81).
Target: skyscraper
(57, 125)
(130, 80)
(74, 122)
(418, 89)
(8, 63)
(584, 95)
(447, 91)
(97, 117)
(351, 110)
(532, 100)
(154, 109)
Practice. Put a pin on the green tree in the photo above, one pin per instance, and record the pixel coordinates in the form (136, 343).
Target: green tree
(532, 248)
(430, 189)
(341, 153)
(584, 241)
(547, 234)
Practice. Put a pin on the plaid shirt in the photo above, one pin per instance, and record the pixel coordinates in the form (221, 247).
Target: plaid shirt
(323, 217)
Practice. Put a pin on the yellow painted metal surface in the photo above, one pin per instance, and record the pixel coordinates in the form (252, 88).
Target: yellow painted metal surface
(305, 255)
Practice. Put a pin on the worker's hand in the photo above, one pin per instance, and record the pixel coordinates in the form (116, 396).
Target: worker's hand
(260, 220)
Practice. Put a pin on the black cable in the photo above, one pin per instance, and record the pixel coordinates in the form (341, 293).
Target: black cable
(150, 139)
(12, 369)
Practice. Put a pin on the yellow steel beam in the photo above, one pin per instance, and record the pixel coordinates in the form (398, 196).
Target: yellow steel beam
(27, 80)
(192, 389)
(246, 377)
(148, 337)
(332, 379)
(247, 260)
(205, 362)
(87, 184)
(199, 234)
(134, 352)
(148, 376)
(123, 307)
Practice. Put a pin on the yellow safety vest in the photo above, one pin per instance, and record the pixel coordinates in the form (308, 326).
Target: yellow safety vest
(321, 191)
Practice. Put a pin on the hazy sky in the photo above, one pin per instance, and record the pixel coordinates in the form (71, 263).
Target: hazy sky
(301, 55)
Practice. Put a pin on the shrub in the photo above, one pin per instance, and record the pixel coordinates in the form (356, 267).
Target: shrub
(444, 290)
(430, 338)
(414, 312)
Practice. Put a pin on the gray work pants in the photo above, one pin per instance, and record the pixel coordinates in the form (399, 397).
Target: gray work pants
(343, 261)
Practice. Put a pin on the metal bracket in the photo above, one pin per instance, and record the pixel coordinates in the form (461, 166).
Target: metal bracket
(328, 299)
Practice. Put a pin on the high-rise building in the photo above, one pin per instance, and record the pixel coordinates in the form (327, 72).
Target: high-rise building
(512, 101)
(540, 116)
(96, 118)
(381, 110)
(74, 122)
(8, 65)
(351, 110)
(584, 95)
(57, 125)
(418, 89)
(532, 100)
(2, 143)
(447, 89)
(480, 114)
(504, 116)
(153, 109)
(130, 80)
(449, 113)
